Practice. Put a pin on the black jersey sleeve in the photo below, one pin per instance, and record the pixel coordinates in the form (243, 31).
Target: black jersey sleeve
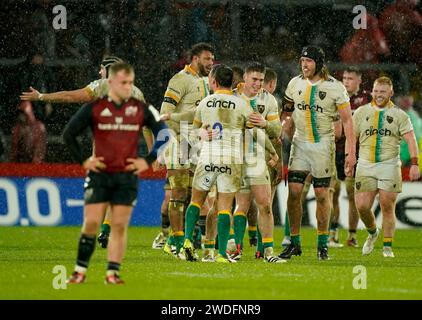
(77, 124)
(152, 121)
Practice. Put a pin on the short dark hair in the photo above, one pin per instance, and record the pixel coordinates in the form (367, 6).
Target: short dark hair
(117, 67)
(255, 67)
(197, 49)
(238, 70)
(223, 75)
(270, 75)
(351, 69)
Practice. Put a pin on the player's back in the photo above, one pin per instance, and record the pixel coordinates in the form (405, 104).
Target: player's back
(227, 114)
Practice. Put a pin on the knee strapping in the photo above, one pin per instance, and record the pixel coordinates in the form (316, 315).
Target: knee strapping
(321, 182)
(297, 176)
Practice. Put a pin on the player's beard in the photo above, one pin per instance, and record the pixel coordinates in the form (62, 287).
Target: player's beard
(383, 102)
(308, 74)
(203, 72)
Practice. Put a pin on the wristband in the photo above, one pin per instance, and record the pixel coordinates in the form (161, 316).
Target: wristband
(40, 97)
(414, 161)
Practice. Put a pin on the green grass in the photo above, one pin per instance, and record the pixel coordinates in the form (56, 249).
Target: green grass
(28, 255)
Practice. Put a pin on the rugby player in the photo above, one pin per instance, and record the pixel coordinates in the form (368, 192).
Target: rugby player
(313, 100)
(379, 127)
(221, 158)
(94, 90)
(256, 182)
(112, 179)
(276, 173)
(184, 92)
(352, 79)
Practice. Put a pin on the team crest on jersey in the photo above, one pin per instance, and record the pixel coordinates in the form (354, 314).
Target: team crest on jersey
(119, 120)
(206, 182)
(299, 92)
(131, 111)
(358, 185)
(322, 95)
(367, 118)
(261, 108)
(389, 119)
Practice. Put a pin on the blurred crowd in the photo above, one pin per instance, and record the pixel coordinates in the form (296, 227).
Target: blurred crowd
(154, 36)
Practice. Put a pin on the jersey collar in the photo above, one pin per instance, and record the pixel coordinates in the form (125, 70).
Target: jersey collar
(241, 89)
(224, 91)
(388, 105)
(188, 68)
(315, 83)
(115, 103)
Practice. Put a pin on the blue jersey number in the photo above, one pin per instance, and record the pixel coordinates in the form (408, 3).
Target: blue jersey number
(220, 129)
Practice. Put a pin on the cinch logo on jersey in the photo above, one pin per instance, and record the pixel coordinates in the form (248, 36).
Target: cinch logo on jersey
(221, 104)
(213, 168)
(382, 132)
(303, 107)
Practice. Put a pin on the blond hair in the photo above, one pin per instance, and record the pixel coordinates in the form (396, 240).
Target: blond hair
(324, 73)
(384, 80)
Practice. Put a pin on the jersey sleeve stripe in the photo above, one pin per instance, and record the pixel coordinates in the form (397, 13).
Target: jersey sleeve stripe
(343, 106)
(172, 96)
(272, 117)
(197, 122)
(90, 92)
(288, 99)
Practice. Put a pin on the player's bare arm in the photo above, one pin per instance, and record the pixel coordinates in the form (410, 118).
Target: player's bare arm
(73, 96)
(288, 108)
(410, 139)
(347, 121)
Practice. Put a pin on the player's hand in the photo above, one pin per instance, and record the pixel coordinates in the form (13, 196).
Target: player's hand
(95, 164)
(278, 141)
(273, 161)
(257, 120)
(207, 134)
(32, 95)
(157, 166)
(349, 165)
(165, 117)
(414, 173)
(137, 165)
